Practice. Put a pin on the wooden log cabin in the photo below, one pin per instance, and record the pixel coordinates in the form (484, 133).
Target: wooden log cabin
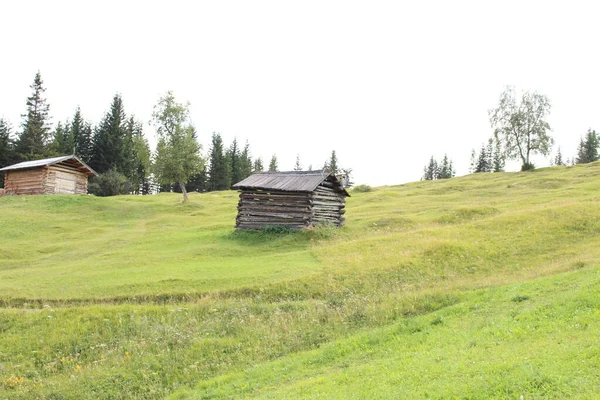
(59, 175)
(295, 199)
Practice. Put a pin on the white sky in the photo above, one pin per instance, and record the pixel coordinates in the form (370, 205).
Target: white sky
(384, 83)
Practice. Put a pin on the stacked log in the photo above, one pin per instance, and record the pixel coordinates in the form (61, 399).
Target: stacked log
(328, 205)
(259, 208)
(25, 182)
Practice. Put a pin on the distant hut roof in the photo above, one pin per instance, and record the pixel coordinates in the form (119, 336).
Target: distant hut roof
(71, 161)
(289, 181)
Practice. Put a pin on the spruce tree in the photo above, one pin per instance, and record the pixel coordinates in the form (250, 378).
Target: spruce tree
(7, 156)
(235, 164)
(219, 174)
(140, 178)
(32, 141)
(273, 164)
(62, 142)
(258, 166)
(82, 136)
(499, 161)
(558, 159)
(333, 163)
(108, 139)
(587, 151)
(297, 166)
(445, 169)
(245, 162)
(430, 172)
(473, 161)
(483, 161)
(489, 152)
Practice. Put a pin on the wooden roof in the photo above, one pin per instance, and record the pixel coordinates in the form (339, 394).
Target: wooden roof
(72, 162)
(289, 181)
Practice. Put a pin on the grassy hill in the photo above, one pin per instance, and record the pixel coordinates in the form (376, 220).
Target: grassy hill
(484, 286)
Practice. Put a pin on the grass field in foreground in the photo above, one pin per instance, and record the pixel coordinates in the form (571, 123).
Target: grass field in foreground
(480, 286)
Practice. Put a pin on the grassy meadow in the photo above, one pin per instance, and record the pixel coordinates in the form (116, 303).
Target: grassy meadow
(484, 286)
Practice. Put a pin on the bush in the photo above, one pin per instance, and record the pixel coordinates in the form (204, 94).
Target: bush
(362, 188)
(527, 167)
(110, 183)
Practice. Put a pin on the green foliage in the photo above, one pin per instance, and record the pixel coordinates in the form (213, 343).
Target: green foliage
(110, 142)
(219, 172)
(109, 183)
(442, 170)
(7, 156)
(63, 142)
(142, 163)
(245, 162)
(521, 125)
(258, 165)
(82, 137)
(177, 151)
(587, 151)
(35, 134)
(558, 159)
(273, 164)
(362, 188)
(332, 164)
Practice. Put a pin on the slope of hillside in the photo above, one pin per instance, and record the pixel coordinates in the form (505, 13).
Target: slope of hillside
(480, 286)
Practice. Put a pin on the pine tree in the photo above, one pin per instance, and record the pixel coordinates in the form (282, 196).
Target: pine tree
(82, 137)
(445, 169)
(108, 139)
(245, 162)
(297, 166)
(489, 152)
(273, 164)
(430, 172)
(62, 142)
(499, 159)
(235, 164)
(473, 161)
(558, 159)
(587, 151)
(33, 140)
(333, 163)
(140, 177)
(7, 156)
(258, 166)
(482, 161)
(219, 174)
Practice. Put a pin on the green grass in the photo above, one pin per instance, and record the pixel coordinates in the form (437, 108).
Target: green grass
(483, 286)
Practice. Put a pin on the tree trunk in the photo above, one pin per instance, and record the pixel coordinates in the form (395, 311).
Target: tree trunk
(185, 196)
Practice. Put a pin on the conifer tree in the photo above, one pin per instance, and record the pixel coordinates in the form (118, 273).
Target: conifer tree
(140, 176)
(297, 166)
(333, 163)
(558, 159)
(7, 156)
(430, 172)
(108, 139)
(273, 164)
(499, 161)
(258, 165)
(62, 142)
(473, 161)
(82, 136)
(246, 161)
(483, 161)
(587, 151)
(33, 139)
(235, 164)
(219, 174)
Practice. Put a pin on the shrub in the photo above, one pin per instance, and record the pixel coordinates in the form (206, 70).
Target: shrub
(527, 167)
(362, 188)
(110, 183)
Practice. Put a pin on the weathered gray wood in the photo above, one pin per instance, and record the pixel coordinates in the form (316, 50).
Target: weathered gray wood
(276, 215)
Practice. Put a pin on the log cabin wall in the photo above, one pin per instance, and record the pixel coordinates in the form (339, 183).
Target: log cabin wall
(259, 208)
(63, 179)
(328, 205)
(28, 181)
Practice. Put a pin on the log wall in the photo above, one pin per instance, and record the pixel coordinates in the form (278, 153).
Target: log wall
(55, 179)
(260, 208)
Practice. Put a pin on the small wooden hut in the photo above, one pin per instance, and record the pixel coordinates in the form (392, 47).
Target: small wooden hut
(65, 175)
(295, 199)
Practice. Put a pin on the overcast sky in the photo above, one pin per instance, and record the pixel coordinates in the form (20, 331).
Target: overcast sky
(386, 84)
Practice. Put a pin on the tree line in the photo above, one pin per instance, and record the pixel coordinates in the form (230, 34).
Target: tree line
(118, 151)
(520, 130)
